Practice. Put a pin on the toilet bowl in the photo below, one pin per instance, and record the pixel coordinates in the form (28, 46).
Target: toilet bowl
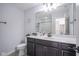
(21, 48)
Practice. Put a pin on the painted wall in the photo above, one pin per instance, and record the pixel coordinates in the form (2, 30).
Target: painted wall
(13, 32)
(29, 20)
(77, 24)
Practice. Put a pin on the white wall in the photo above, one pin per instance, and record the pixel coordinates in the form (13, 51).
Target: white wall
(12, 32)
(29, 20)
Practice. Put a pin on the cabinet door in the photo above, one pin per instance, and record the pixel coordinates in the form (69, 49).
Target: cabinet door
(67, 53)
(53, 52)
(40, 50)
(30, 48)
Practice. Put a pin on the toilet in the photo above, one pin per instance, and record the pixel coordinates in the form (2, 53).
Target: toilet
(21, 48)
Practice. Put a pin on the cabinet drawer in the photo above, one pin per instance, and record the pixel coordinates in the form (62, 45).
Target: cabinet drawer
(67, 46)
(47, 43)
(67, 53)
(30, 39)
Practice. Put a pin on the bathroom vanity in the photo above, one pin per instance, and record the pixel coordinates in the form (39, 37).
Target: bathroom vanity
(50, 46)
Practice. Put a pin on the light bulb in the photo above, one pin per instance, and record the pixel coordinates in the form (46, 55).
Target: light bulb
(48, 6)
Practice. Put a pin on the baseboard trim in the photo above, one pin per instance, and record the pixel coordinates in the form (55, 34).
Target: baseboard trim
(7, 54)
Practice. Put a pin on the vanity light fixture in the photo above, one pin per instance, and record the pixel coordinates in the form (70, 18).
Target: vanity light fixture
(47, 6)
(50, 6)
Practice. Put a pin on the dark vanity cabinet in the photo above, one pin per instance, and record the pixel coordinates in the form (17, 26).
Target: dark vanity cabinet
(68, 49)
(40, 47)
(67, 53)
(47, 48)
(30, 47)
(40, 50)
(46, 51)
(53, 52)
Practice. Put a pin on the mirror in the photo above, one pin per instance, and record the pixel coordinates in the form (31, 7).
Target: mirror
(44, 22)
(57, 21)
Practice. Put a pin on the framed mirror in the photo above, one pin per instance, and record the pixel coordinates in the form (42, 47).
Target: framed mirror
(57, 21)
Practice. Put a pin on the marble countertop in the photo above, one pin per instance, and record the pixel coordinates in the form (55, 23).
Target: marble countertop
(58, 38)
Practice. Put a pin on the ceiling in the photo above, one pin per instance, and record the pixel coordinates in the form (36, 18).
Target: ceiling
(25, 6)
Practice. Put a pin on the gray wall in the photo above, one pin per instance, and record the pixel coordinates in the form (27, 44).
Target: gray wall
(12, 32)
(77, 24)
(29, 20)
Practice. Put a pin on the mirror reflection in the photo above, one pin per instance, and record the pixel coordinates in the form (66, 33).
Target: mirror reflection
(56, 20)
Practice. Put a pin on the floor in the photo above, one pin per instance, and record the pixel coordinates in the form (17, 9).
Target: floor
(16, 53)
